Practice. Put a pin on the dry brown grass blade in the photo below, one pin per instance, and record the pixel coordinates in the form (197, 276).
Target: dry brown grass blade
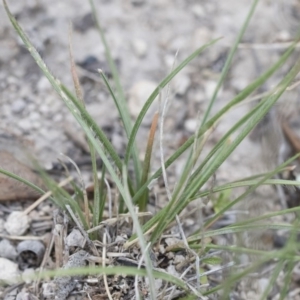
(292, 137)
(147, 158)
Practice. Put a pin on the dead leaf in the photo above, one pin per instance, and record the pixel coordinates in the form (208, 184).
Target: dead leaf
(11, 189)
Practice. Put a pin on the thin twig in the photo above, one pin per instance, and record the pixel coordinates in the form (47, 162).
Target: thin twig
(103, 265)
(45, 196)
(113, 221)
(22, 238)
(161, 134)
(181, 276)
(46, 256)
(85, 198)
(137, 294)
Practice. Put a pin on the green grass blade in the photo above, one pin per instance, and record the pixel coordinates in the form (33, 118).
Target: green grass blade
(230, 186)
(224, 153)
(120, 100)
(154, 94)
(22, 180)
(90, 122)
(97, 213)
(116, 270)
(229, 60)
(268, 216)
(109, 58)
(237, 229)
(250, 190)
(87, 123)
(240, 97)
(244, 183)
(74, 106)
(78, 112)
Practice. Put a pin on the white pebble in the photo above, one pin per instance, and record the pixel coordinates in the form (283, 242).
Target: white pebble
(17, 223)
(18, 106)
(9, 273)
(7, 250)
(191, 125)
(138, 95)
(210, 87)
(24, 125)
(181, 84)
(43, 85)
(139, 47)
(198, 10)
(34, 116)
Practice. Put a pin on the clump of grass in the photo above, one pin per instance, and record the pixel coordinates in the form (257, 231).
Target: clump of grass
(134, 192)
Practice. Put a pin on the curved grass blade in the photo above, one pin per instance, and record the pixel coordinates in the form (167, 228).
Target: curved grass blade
(236, 100)
(229, 60)
(120, 100)
(154, 94)
(116, 270)
(24, 181)
(250, 190)
(59, 89)
(229, 186)
(224, 153)
(90, 122)
(80, 115)
(236, 229)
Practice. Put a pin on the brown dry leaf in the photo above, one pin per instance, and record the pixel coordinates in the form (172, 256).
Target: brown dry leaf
(11, 189)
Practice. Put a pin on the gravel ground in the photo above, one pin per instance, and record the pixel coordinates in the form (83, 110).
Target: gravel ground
(144, 37)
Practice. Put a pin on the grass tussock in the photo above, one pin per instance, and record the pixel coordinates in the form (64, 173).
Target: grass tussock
(150, 234)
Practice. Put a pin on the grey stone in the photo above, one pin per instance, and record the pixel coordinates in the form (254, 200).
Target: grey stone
(138, 95)
(75, 239)
(18, 106)
(7, 250)
(65, 285)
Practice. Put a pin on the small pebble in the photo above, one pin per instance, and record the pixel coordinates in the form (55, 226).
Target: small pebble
(25, 125)
(198, 10)
(9, 273)
(17, 223)
(138, 95)
(209, 88)
(7, 250)
(181, 84)
(18, 106)
(139, 47)
(34, 116)
(43, 85)
(191, 125)
(75, 239)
